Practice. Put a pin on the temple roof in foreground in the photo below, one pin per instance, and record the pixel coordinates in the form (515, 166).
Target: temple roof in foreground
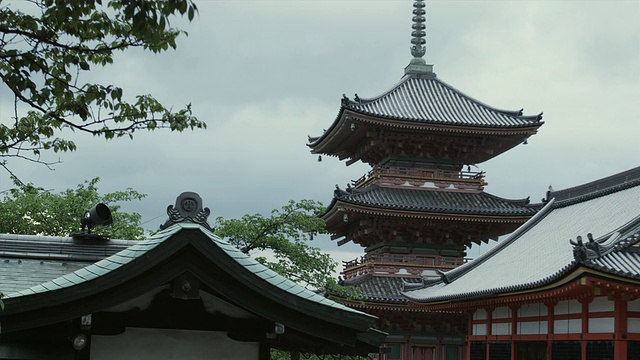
(69, 278)
(592, 227)
(429, 201)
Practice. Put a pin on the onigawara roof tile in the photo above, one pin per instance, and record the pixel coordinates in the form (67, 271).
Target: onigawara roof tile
(540, 251)
(430, 100)
(435, 201)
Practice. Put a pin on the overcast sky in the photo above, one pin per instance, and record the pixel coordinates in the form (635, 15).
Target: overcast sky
(266, 74)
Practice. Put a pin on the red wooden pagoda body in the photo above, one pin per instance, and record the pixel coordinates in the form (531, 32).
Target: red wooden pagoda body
(421, 206)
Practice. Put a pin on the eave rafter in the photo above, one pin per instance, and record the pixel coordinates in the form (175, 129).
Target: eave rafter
(370, 139)
(366, 226)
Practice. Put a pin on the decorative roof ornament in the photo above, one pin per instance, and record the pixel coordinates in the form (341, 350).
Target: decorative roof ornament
(418, 49)
(188, 208)
(418, 66)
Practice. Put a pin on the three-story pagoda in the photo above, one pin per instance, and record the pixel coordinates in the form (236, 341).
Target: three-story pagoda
(421, 205)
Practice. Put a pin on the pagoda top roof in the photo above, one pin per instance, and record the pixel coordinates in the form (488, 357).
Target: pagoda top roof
(427, 99)
(422, 101)
(605, 211)
(420, 200)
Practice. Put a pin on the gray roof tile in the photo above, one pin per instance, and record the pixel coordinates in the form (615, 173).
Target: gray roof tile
(539, 252)
(381, 288)
(140, 248)
(429, 100)
(435, 201)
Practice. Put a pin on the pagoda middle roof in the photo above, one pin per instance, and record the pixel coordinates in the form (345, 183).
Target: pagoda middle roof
(420, 200)
(426, 100)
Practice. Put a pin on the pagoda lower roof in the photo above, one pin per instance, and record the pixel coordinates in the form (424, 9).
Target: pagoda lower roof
(433, 201)
(381, 289)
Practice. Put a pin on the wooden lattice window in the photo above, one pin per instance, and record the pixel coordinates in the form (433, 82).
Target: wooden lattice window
(633, 350)
(597, 350)
(500, 351)
(478, 351)
(566, 350)
(532, 350)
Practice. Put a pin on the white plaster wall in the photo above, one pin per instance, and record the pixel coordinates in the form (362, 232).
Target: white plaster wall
(501, 329)
(532, 327)
(633, 305)
(568, 307)
(571, 326)
(480, 329)
(601, 325)
(633, 325)
(148, 344)
(601, 304)
(502, 313)
(532, 310)
(480, 314)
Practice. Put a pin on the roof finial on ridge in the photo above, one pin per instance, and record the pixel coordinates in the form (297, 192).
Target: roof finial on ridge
(418, 66)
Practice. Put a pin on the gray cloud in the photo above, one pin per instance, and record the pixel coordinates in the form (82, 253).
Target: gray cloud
(265, 74)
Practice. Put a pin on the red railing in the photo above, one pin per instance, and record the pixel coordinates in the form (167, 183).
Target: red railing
(407, 259)
(421, 173)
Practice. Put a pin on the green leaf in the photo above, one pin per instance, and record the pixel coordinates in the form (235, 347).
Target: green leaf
(40, 66)
(58, 214)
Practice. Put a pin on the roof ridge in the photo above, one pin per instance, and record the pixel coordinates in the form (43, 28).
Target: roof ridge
(597, 188)
(453, 274)
(359, 101)
(513, 113)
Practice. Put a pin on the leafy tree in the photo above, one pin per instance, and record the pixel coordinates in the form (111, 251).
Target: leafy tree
(281, 242)
(45, 47)
(30, 210)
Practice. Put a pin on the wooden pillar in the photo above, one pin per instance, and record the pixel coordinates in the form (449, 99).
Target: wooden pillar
(514, 330)
(550, 327)
(489, 331)
(469, 332)
(584, 324)
(620, 328)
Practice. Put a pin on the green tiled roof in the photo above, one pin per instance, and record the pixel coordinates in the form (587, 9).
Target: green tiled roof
(142, 248)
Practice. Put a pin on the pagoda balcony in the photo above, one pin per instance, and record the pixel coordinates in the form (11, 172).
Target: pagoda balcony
(399, 265)
(422, 178)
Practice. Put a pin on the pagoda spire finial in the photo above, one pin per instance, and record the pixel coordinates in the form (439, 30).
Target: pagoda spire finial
(417, 66)
(418, 49)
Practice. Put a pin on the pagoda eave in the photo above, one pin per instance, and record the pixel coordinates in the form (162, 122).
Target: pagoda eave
(359, 136)
(336, 214)
(363, 225)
